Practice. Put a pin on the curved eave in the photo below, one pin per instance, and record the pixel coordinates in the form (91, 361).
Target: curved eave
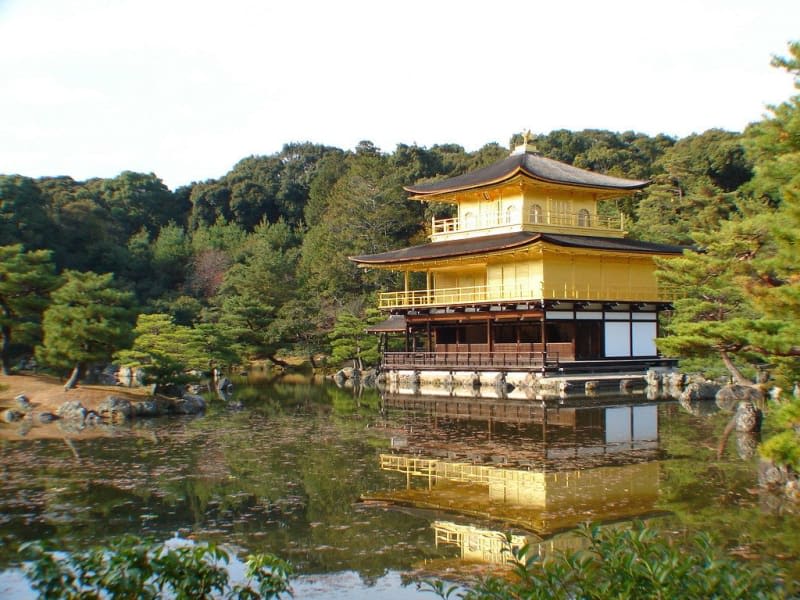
(487, 245)
(518, 165)
(420, 194)
(445, 250)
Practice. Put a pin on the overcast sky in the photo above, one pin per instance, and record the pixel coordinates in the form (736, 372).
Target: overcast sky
(185, 89)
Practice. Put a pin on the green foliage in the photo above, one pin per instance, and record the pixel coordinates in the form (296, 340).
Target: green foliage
(775, 145)
(171, 257)
(134, 568)
(331, 167)
(221, 235)
(270, 188)
(783, 448)
(166, 351)
(23, 212)
(713, 313)
(627, 154)
(693, 187)
(185, 310)
(367, 213)
(350, 341)
(637, 562)
(87, 321)
(26, 280)
(140, 200)
(254, 290)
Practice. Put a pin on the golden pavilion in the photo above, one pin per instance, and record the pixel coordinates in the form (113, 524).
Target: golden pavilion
(528, 276)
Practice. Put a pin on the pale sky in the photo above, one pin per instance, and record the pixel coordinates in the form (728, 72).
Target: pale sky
(186, 88)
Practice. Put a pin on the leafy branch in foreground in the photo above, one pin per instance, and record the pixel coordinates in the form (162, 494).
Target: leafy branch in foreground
(132, 568)
(626, 563)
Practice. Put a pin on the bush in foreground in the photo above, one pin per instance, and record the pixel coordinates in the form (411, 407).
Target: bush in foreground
(629, 563)
(142, 570)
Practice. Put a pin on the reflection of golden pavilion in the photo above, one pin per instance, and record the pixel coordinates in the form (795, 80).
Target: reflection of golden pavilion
(478, 545)
(540, 435)
(489, 546)
(592, 463)
(535, 500)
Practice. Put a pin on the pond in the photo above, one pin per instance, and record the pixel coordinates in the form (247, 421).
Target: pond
(358, 491)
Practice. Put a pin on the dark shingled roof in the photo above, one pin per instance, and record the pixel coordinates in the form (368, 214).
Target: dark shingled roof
(508, 241)
(393, 324)
(533, 165)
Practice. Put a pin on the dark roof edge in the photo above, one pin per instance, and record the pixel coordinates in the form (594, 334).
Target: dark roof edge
(477, 246)
(462, 249)
(640, 184)
(533, 166)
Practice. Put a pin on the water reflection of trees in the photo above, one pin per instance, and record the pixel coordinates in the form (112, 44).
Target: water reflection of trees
(281, 475)
(719, 493)
(285, 473)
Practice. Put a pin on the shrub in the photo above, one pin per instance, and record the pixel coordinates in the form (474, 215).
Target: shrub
(143, 570)
(631, 563)
(783, 448)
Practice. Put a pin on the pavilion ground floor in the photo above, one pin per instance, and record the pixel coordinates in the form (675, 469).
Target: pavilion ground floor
(546, 336)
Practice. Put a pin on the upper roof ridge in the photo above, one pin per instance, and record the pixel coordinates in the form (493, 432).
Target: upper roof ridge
(527, 146)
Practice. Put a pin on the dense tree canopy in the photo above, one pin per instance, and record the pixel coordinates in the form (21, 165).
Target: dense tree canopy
(26, 280)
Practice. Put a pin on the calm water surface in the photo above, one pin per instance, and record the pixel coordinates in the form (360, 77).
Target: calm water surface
(358, 491)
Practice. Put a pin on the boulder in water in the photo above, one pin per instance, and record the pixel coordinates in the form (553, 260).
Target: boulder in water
(23, 403)
(729, 396)
(147, 408)
(700, 390)
(115, 409)
(72, 410)
(46, 417)
(190, 404)
(224, 386)
(10, 415)
(748, 418)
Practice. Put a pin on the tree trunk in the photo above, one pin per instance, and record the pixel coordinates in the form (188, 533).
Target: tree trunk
(77, 372)
(277, 361)
(734, 370)
(6, 348)
(725, 435)
(312, 361)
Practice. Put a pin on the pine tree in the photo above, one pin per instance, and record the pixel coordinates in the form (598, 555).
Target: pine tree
(713, 313)
(253, 291)
(166, 351)
(88, 320)
(26, 280)
(774, 144)
(350, 340)
(741, 291)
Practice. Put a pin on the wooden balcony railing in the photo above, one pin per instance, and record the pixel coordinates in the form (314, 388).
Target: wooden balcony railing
(500, 293)
(471, 360)
(542, 219)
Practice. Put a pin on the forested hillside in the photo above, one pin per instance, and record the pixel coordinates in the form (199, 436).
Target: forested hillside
(253, 265)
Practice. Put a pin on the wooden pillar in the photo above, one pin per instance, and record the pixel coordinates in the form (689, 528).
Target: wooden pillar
(489, 334)
(544, 336)
(430, 336)
(428, 286)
